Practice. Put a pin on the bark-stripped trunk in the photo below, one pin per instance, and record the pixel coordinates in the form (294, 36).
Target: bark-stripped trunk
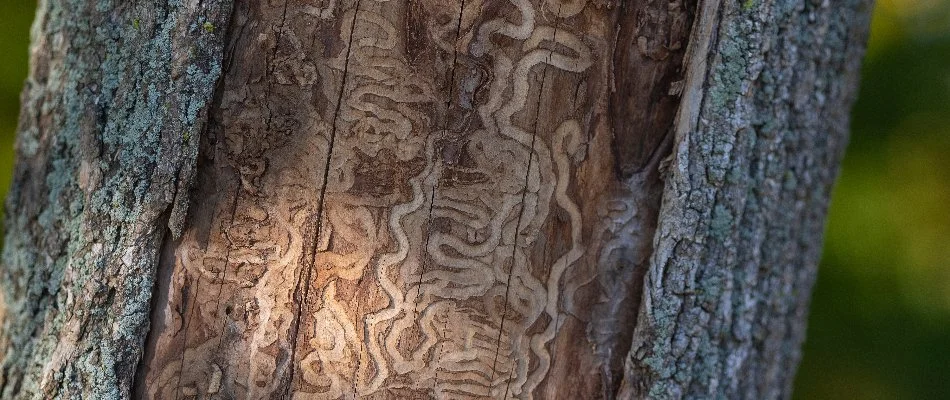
(422, 199)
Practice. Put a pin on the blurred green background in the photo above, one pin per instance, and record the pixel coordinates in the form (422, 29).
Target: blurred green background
(880, 319)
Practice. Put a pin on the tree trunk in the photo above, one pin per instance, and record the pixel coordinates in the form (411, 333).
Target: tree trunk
(422, 199)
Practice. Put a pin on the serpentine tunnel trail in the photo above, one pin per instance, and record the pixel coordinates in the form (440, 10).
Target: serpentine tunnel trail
(338, 199)
(412, 199)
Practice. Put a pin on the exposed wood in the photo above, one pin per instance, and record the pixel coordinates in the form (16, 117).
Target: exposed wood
(422, 199)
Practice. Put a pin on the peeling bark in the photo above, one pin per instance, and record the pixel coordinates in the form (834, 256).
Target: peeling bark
(422, 199)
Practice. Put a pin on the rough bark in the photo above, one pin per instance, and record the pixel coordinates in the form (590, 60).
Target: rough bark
(759, 137)
(415, 199)
(108, 136)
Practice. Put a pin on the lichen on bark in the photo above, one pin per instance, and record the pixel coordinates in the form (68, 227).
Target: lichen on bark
(408, 199)
(112, 111)
(759, 139)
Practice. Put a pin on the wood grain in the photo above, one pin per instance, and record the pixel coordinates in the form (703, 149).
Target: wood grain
(323, 199)
(421, 199)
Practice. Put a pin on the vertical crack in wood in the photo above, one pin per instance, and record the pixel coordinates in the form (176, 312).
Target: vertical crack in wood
(304, 284)
(194, 305)
(438, 179)
(448, 106)
(231, 214)
(524, 196)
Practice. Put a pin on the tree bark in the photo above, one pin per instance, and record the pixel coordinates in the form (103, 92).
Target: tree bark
(422, 199)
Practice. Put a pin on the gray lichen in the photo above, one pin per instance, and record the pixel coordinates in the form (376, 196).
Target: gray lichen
(740, 230)
(101, 167)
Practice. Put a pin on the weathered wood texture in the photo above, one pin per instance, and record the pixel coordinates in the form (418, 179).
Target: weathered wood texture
(422, 199)
(414, 199)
